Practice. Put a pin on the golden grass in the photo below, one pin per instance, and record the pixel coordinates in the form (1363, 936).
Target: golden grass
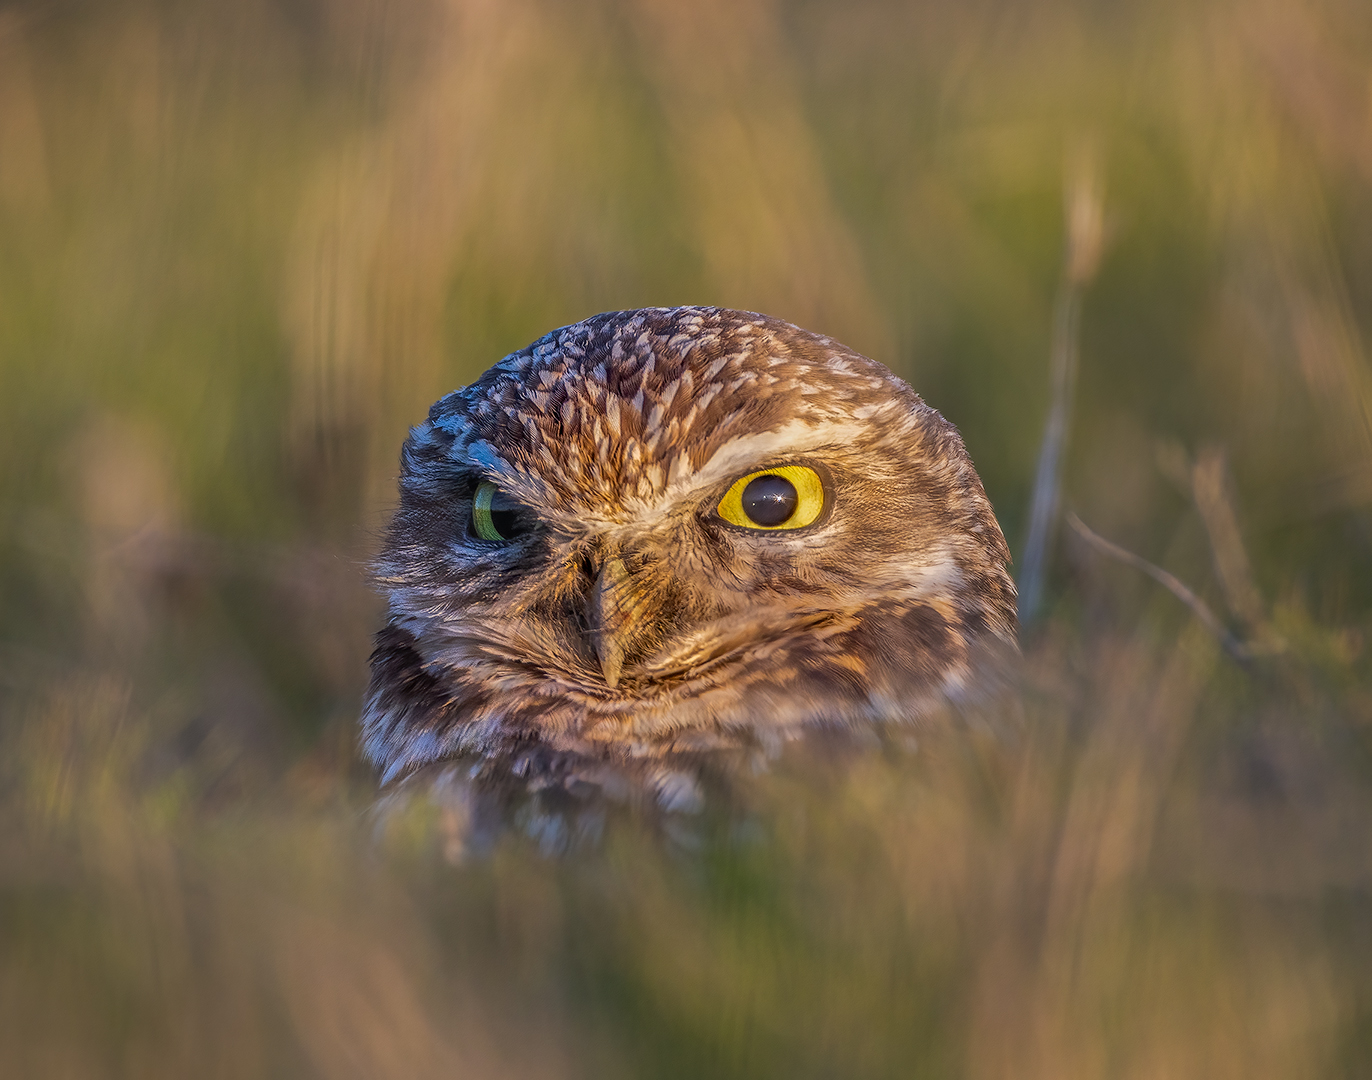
(243, 246)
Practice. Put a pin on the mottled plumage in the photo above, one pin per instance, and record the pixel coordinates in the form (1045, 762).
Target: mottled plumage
(628, 625)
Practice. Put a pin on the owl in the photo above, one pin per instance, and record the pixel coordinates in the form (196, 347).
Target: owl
(661, 533)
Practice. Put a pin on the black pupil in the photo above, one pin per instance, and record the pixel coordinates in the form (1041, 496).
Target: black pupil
(505, 515)
(770, 500)
(506, 522)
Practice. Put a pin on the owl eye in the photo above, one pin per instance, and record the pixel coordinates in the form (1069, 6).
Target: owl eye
(495, 516)
(784, 497)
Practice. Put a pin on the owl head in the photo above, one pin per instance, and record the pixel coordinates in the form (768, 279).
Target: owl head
(663, 531)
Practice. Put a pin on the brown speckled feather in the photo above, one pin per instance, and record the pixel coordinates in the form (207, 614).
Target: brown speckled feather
(617, 437)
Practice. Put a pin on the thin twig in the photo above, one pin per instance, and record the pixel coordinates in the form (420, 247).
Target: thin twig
(1232, 645)
(1208, 484)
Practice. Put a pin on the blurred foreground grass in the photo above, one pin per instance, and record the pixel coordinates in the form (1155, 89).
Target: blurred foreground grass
(243, 246)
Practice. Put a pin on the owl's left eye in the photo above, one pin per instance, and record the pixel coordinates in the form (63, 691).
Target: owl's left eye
(495, 516)
(784, 497)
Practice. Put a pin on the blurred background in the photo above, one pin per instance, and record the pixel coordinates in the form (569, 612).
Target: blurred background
(245, 243)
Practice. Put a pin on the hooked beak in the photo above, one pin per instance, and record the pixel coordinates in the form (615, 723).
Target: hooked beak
(607, 620)
(620, 612)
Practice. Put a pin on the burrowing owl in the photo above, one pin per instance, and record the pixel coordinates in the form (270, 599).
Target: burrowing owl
(659, 532)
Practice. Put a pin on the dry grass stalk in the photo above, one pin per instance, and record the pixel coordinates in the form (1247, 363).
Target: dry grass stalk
(1085, 242)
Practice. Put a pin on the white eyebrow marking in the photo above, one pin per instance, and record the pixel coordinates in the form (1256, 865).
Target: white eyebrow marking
(796, 437)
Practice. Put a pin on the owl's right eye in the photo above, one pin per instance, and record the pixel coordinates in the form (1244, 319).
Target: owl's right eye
(495, 516)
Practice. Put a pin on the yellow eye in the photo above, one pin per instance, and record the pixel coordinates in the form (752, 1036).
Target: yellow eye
(786, 497)
(493, 514)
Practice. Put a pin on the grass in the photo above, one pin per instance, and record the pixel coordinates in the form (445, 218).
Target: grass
(243, 246)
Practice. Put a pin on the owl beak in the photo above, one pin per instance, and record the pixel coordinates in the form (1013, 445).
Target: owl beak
(609, 618)
(624, 611)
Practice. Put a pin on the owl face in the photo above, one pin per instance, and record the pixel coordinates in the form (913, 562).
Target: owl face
(657, 532)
